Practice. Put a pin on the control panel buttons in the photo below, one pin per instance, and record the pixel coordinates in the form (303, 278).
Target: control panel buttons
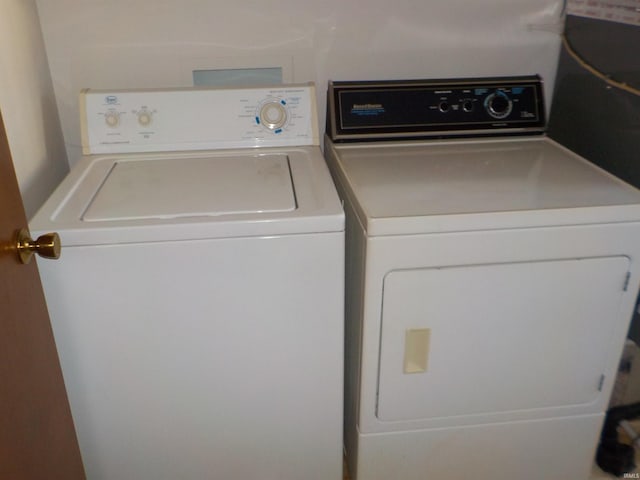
(273, 115)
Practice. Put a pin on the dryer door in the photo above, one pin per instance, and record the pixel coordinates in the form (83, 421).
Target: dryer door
(475, 341)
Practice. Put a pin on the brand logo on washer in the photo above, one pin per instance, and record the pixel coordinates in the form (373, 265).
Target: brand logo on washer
(111, 99)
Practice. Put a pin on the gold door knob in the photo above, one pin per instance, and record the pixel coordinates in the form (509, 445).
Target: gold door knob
(47, 245)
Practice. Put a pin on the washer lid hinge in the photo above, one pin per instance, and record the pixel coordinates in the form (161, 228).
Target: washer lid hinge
(626, 282)
(601, 383)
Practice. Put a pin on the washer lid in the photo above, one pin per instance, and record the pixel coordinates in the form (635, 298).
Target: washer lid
(466, 185)
(204, 186)
(154, 197)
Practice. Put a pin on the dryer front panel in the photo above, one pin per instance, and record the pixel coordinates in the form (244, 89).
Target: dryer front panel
(483, 340)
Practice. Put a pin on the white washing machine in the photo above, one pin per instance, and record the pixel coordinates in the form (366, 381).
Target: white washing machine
(198, 302)
(490, 282)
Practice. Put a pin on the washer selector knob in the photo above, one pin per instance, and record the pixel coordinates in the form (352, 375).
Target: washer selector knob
(273, 115)
(112, 118)
(144, 118)
(498, 105)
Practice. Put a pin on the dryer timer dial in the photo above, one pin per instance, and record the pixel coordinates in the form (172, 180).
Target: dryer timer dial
(498, 104)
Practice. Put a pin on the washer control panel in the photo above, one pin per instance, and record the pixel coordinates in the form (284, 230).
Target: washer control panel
(198, 118)
(435, 108)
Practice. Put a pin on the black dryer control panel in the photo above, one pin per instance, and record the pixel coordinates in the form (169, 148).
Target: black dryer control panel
(397, 109)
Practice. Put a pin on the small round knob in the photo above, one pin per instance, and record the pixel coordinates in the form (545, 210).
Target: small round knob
(112, 119)
(47, 246)
(144, 118)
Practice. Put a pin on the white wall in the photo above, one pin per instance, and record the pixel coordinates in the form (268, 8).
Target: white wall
(157, 43)
(28, 105)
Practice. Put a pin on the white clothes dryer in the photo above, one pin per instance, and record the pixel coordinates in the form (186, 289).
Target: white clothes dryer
(197, 305)
(490, 282)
